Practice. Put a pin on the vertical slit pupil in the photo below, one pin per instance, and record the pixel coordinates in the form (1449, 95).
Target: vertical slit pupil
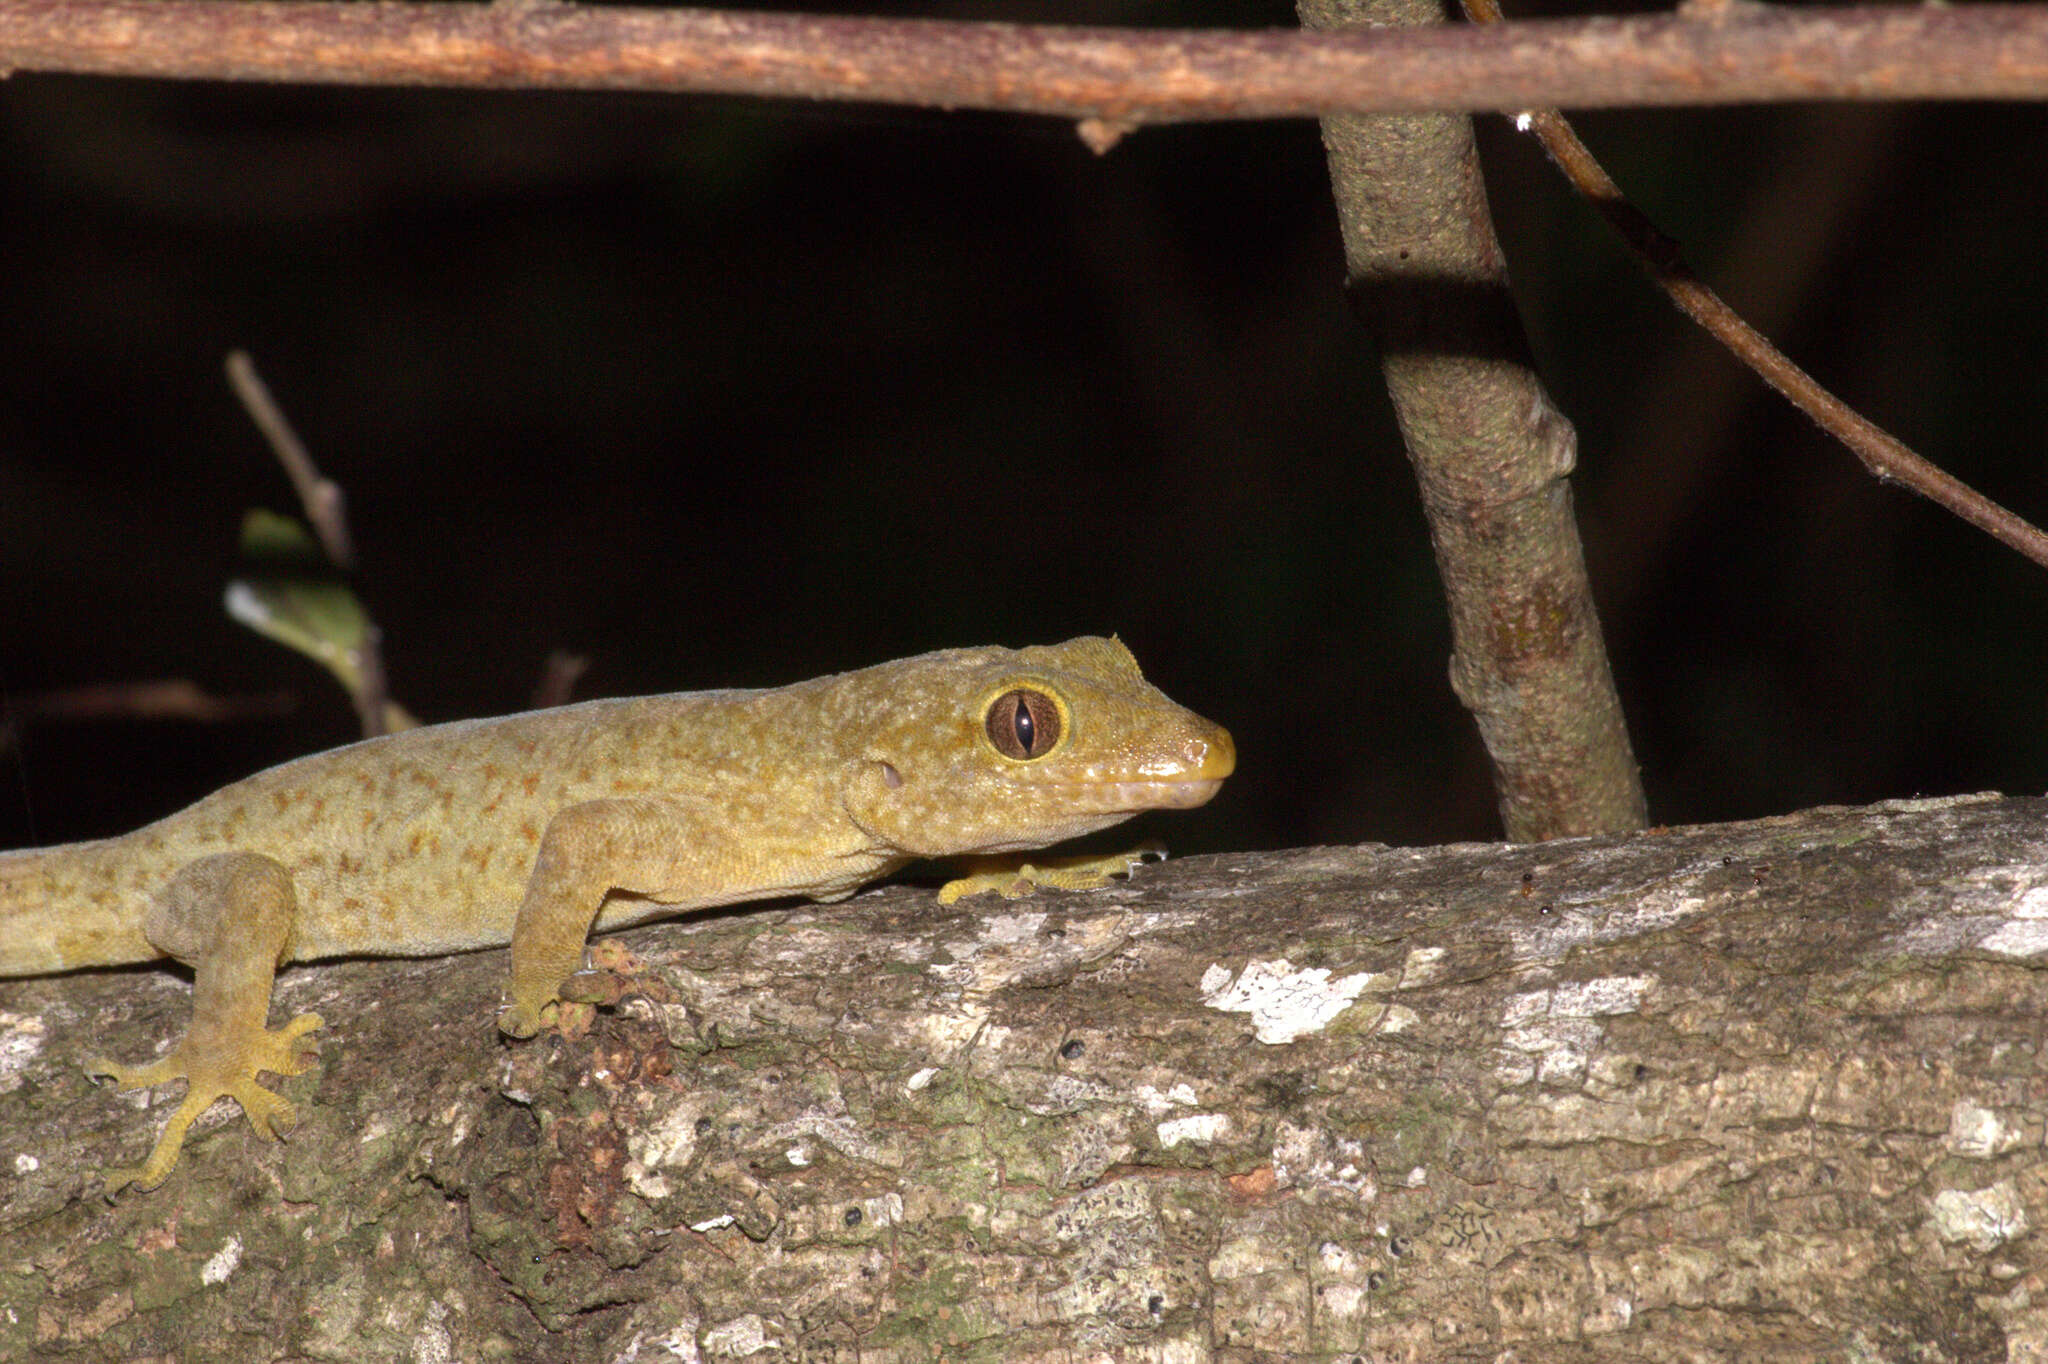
(1023, 724)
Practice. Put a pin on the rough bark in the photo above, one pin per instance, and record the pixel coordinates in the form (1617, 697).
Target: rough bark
(1734, 1092)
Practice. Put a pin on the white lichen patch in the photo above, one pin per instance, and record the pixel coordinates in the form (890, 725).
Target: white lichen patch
(1977, 1133)
(1006, 949)
(921, 1079)
(22, 1037)
(949, 1033)
(434, 1343)
(2001, 908)
(1198, 1128)
(1007, 946)
(1611, 1314)
(671, 1141)
(1341, 1301)
(26, 1164)
(841, 1133)
(222, 1262)
(1158, 1104)
(1399, 1018)
(1424, 964)
(740, 1337)
(1313, 1161)
(1284, 1003)
(2022, 931)
(1337, 1260)
(1614, 917)
(677, 1345)
(883, 1210)
(1241, 1257)
(1549, 1035)
(1071, 1093)
(1984, 1218)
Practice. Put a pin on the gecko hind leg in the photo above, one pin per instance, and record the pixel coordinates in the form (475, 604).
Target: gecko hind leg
(229, 917)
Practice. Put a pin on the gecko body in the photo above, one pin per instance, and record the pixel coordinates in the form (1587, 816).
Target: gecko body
(532, 829)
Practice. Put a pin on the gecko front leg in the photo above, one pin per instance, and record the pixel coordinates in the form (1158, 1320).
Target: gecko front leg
(587, 851)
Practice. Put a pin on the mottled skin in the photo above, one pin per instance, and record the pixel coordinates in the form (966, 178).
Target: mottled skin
(530, 828)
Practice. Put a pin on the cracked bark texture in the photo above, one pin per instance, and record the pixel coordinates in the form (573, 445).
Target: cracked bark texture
(1492, 454)
(1770, 1089)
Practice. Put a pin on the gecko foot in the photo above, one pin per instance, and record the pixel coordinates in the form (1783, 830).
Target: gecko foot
(213, 1073)
(1063, 873)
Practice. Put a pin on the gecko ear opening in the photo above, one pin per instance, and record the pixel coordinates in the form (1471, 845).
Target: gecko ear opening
(1023, 724)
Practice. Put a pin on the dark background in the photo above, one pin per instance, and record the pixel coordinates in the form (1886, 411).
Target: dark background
(732, 393)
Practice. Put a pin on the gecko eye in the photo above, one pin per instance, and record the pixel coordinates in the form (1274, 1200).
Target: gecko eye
(1023, 724)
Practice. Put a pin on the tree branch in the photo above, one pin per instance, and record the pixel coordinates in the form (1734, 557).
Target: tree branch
(1491, 452)
(1727, 55)
(1744, 1091)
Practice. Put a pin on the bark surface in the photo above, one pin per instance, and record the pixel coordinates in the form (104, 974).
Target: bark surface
(1760, 1090)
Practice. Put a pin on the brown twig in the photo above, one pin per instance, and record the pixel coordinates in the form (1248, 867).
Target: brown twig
(326, 506)
(1735, 54)
(173, 698)
(1883, 454)
(558, 679)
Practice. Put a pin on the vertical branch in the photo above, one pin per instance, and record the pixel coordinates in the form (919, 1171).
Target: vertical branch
(1490, 452)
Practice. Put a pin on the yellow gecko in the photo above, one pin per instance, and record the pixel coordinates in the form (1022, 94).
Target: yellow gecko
(531, 828)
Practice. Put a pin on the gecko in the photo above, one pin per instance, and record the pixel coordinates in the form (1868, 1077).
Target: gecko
(536, 829)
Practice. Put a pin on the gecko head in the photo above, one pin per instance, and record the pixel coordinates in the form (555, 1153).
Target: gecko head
(1003, 750)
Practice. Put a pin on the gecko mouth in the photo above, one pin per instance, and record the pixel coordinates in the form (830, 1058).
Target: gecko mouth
(1155, 795)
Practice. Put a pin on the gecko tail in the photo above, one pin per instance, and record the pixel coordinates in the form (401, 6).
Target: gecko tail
(62, 908)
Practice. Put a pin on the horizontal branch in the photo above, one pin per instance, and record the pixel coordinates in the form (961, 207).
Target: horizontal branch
(1723, 54)
(1702, 1094)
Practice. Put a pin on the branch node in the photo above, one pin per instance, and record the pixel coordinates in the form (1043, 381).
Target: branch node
(1102, 134)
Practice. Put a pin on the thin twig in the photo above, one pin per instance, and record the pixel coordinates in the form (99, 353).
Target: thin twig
(171, 698)
(1735, 54)
(558, 679)
(327, 509)
(1882, 453)
(373, 695)
(326, 506)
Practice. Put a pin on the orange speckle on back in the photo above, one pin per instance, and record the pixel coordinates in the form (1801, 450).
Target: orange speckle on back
(532, 779)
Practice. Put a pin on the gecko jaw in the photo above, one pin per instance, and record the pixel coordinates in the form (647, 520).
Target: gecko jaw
(1133, 796)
